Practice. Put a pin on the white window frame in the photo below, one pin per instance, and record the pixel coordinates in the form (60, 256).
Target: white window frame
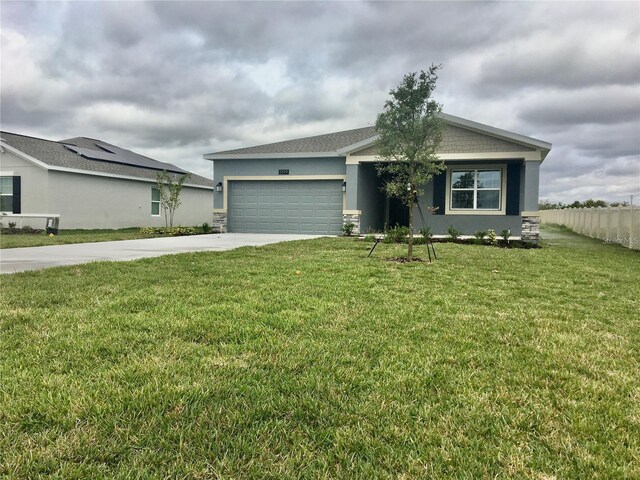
(476, 211)
(7, 194)
(155, 201)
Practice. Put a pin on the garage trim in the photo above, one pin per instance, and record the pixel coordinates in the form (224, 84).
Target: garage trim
(227, 179)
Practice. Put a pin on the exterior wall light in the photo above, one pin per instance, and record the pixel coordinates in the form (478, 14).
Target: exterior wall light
(219, 187)
(344, 186)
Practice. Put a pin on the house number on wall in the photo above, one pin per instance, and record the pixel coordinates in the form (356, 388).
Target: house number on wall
(284, 171)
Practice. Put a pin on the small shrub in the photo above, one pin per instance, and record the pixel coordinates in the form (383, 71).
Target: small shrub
(206, 228)
(505, 234)
(396, 234)
(12, 225)
(26, 230)
(347, 228)
(426, 233)
(30, 230)
(480, 234)
(167, 231)
(453, 233)
(369, 237)
(491, 236)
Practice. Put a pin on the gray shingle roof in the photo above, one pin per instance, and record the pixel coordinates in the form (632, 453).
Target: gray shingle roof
(55, 154)
(334, 143)
(329, 143)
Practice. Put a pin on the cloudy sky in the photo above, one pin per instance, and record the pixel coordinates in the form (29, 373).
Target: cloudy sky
(175, 80)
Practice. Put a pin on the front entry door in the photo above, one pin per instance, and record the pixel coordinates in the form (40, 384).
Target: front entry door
(398, 213)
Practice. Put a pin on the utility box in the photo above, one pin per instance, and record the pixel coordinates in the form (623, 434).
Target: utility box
(52, 225)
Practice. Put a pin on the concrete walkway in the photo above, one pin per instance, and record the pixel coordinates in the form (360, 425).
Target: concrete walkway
(35, 258)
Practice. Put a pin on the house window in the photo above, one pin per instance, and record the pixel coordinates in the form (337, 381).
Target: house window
(6, 194)
(155, 201)
(476, 189)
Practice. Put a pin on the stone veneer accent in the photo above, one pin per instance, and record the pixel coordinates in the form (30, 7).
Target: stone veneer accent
(530, 229)
(352, 218)
(219, 222)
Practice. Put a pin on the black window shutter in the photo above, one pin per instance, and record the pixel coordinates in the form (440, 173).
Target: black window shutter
(17, 195)
(439, 192)
(513, 189)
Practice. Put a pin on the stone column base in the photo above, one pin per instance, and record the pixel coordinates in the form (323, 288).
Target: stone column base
(219, 222)
(530, 229)
(352, 218)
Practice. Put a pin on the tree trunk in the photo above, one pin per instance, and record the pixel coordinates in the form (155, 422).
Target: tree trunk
(410, 250)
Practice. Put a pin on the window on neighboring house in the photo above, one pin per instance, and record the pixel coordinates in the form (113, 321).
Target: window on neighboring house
(6, 194)
(155, 201)
(476, 189)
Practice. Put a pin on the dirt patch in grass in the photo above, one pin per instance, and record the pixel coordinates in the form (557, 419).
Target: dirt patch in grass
(403, 259)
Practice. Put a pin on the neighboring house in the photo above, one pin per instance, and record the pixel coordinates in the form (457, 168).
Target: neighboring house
(91, 184)
(316, 184)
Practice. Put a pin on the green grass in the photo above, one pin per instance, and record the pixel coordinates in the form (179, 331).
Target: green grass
(70, 236)
(489, 363)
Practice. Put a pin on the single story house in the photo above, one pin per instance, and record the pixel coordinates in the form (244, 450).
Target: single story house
(316, 184)
(90, 184)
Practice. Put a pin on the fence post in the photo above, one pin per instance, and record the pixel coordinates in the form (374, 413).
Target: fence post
(599, 227)
(589, 216)
(619, 219)
(599, 223)
(571, 220)
(632, 242)
(608, 231)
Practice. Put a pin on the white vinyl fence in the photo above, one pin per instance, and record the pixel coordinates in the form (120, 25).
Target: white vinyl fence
(610, 224)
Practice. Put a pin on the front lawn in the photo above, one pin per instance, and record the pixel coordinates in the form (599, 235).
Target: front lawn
(71, 236)
(306, 360)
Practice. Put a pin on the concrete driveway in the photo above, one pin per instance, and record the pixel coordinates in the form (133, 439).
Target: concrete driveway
(35, 258)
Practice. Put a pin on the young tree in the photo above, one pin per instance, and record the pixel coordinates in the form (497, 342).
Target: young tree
(409, 134)
(170, 186)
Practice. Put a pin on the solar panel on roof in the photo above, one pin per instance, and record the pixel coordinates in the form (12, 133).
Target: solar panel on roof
(124, 157)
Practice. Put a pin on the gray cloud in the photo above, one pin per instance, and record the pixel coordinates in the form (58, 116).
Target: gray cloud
(605, 105)
(174, 80)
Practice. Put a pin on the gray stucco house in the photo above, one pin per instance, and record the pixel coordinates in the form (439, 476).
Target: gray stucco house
(316, 184)
(90, 184)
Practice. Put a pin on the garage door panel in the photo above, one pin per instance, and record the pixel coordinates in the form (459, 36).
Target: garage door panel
(287, 206)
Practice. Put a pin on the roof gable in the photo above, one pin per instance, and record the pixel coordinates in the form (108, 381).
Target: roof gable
(460, 140)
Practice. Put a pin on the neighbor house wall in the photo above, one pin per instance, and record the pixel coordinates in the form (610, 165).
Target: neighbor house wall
(34, 184)
(89, 201)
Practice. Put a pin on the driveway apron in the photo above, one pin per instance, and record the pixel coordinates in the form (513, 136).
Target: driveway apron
(14, 260)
